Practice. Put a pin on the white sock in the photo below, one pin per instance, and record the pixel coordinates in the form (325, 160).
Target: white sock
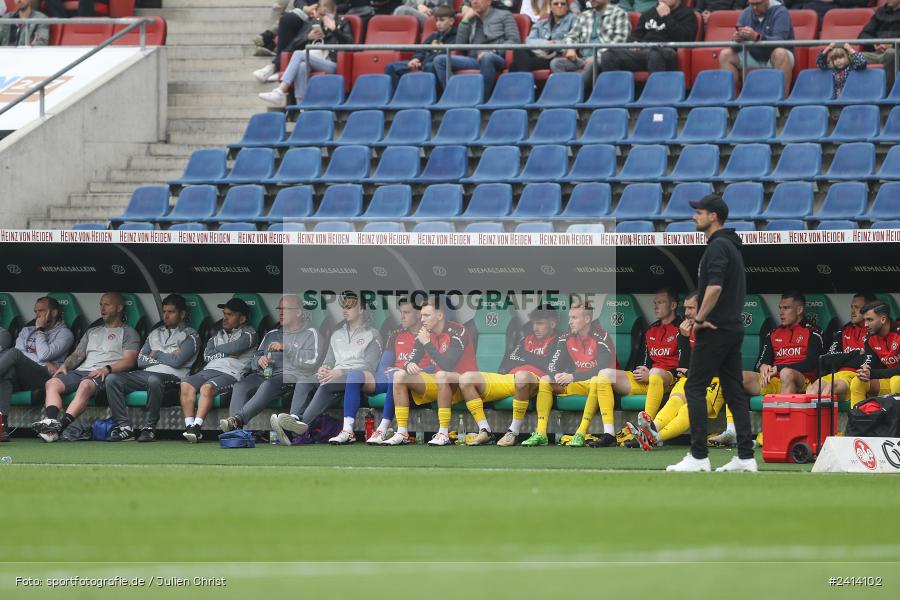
(610, 429)
(730, 428)
(483, 424)
(383, 426)
(188, 421)
(348, 423)
(516, 426)
(198, 421)
(444, 430)
(403, 430)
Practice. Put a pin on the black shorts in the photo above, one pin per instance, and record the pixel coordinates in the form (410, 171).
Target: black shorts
(219, 380)
(73, 379)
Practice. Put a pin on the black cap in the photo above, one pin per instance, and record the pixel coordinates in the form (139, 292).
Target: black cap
(544, 311)
(712, 203)
(236, 305)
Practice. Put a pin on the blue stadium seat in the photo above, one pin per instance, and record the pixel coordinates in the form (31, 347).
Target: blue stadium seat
(334, 226)
(813, 86)
(398, 164)
(893, 97)
(237, 226)
(195, 203)
(885, 225)
(489, 201)
(498, 163)
(890, 168)
(586, 228)
(747, 162)
(89, 226)
(136, 226)
(147, 203)
(445, 164)
(465, 90)
(545, 163)
(554, 126)
(242, 203)
(886, 206)
(204, 166)
(851, 162)
(459, 126)
(291, 204)
(682, 227)
(741, 225)
(682, 194)
(588, 201)
(654, 126)
(804, 124)
(612, 89)
(635, 227)
(435, 226)
(857, 123)
(762, 87)
(786, 225)
(561, 90)
(711, 88)
(384, 227)
(890, 134)
(371, 90)
(252, 165)
(484, 227)
(846, 200)
(790, 200)
(389, 202)
(504, 127)
(298, 165)
(836, 225)
(862, 87)
(593, 163)
(605, 126)
(313, 128)
(363, 127)
(644, 163)
(663, 88)
(512, 90)
(264, 130)
(415, 90)
(340, 202)
(192, 226)
(695, 163)
(534, 227)
(348, 164)
(538, 201)
(797, 162)
(753, 124)
(704, 125)
(439, 201)
(324, 92)
(409, 128)
(638, 201)
(287, 227)
(744, 200)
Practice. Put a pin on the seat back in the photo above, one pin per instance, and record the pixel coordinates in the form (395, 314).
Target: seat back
(819, 310)
(612, 89)
(621, 316)
(845, 200)
(363, 127)
(757, 323)
(300, 164)
(264, 129)
(863, 86)
(198, 316)
(371, 90)
(71, 313)
(805, 123)
(705, 123)
(512, 90)
(555, 126)
(711, 88)
(390, 201)
(597, 161)
(10, 317)
(81, 34)
(606, 126)
(489, 200)
(208, 164)
(194, 202)
(392, 29)
(464, 90)
(443, 200)
(507, 126)
(663, 88)
(539, 200)
(491, 325)
(414, 90)
(446, 163)
(498, 163)
(655, 125)
(799, 161)
(763, 87)
(639, 201)
(349, 163)
(753, 124)
(341, 201)
(697, 162)
(259, 317)
(853, 160)
(645, 162)
(562, 90)
(398, 163)
(679, 206)
(790, 200)
(748, 161)
(744, 199)
(253, 164)
(546, 163)
(135, 315)
(313, 127)
(294, 202)
(243, 202)
(459, 126)
(811, 86)
(148, 202)
(154, 33)
(588, 201)
(324, 92)
(858, 122)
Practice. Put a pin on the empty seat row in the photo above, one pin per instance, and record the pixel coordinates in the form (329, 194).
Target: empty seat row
(378, 226)
(775, 225)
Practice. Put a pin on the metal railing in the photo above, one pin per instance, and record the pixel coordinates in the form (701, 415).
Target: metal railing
(40, 88)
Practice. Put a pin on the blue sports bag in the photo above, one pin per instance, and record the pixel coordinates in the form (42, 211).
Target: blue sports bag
(239, 438)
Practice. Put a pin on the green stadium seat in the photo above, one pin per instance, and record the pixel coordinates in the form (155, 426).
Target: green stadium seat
(633, 403)
(260, 319)
(756, 403)
(892, 304)
(505, 404)
(21, 399)
(10, 318)
(821, 311)
(377, 401)
(198, 314)
(491, 323)
(314, 308)
(621, 316)
(135, 315)
(71, 312)
(757, 324)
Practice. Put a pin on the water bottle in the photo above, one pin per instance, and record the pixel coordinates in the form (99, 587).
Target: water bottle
(370, 424)
(6, 460)
(461, 431)
(559, 428)
(267, 372)
(273, 438)
(420, 428)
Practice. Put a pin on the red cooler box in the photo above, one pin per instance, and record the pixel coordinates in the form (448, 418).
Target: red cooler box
(789, 426)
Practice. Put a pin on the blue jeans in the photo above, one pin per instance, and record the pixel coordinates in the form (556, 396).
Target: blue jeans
(398, 69)
(297, 72)
(489, 65)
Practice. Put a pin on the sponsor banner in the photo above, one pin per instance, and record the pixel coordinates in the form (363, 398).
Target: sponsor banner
(23, 68)
(859, 455)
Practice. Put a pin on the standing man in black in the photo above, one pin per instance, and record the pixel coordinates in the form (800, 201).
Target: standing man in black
(721, 287)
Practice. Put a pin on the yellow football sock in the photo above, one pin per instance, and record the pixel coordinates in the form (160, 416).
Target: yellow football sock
(476, 409)
(669, 411)
(858, 391)
(656, 387)
(590, 409)
(895, 384)
(679, 425)
(729, 418)
(520, 407)
(444, 417)
(606, 400)
(402, 415)
(544, 405)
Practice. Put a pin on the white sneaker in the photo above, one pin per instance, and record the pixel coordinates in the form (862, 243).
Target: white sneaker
(49, 437)
(276, 98)
(440, 439)
(273, 78)
(283, 438)
(646, 423)
(726, 439)
(343, 438)
(262, 75)
(378, 438)
(398, 439)
(689, 464)
(292, 424)
(739, 465)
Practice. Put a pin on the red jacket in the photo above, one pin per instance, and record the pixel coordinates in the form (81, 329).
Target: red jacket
(794, 346)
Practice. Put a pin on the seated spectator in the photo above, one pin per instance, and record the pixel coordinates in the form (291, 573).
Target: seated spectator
(823, 6)
(423, 60)
(840, 60)
(540, 9)
(638, 6)
(884, 24)
(366, 9)
(227, 355)
(604, 23)
(481, 24)
(422, 9)
(762, 20)
(111, 347)
(5, 340)
(164, 360)
(704, 7)
(29, 34)
(669, 21)
(552, 29)
(326, 28)
(291, 35)
(86, 8)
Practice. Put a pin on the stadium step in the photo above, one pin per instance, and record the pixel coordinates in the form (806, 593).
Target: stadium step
(151, 162)
(250, 103)
(52, 223)
(106, 200)
(161, 149)
(201, 139)
(241, 75)
(211, 52)
(233, 65)
(196, 112)
(262, 14)
(226, 30)
(118, 187)
(86, 213)
(198, 4)
(206, 39)
(142, 176)
(247, 87)
(232, 126)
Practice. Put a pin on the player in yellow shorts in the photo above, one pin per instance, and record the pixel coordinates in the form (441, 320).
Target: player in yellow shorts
(880, 374)
(519, 376)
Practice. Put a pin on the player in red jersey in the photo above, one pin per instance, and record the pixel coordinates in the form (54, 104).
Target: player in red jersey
(880, 374)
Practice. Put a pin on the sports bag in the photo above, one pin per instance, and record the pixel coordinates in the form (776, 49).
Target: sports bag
(875, 417)
(102, 427)
(239, 438)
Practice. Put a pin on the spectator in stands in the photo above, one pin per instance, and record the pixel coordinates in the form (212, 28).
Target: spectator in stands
(552, 29)
(227, 355)
(291, 35)
(326, 28)
(164, 360)
(25, 35)
(840, 60)
(86, 8)
(366, 9)
(884, 24)
(39, 349)
(823, 6)
(537, 10)
(603, 23)
(669, 21)
(110, 347)
(638, 6)
(762, 20)
(423, 60)
(284, 364)
(705, 7)
(481, 24)
(422, 9)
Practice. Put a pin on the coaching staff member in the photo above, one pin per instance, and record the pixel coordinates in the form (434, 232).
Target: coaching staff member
(721, 286)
